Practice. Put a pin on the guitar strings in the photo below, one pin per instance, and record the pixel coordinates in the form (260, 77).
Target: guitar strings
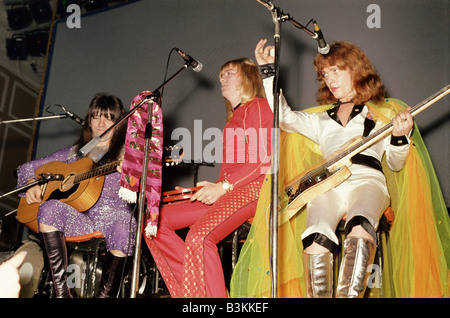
(96, 171)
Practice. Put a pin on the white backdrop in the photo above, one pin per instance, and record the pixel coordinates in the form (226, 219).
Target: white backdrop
(124, 50)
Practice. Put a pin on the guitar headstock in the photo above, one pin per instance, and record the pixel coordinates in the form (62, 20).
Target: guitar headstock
(173, 155)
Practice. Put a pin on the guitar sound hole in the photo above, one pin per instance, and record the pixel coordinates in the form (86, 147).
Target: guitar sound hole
(59, 195)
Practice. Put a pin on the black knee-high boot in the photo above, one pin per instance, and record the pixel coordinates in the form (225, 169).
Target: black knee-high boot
(56, 252)
(111, 276)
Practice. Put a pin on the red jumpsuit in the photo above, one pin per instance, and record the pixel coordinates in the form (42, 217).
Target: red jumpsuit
(192, 267)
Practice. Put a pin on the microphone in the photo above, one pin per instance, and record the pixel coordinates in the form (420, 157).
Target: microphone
(73, 116)
(196, 65)
(323, 48)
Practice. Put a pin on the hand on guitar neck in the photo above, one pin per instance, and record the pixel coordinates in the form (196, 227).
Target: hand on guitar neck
(402, 123)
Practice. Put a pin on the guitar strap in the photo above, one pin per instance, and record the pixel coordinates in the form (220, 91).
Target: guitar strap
(369, 161)
(369, 124)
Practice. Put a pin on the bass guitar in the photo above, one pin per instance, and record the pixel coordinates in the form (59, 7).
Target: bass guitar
(333, 170)
(80, 186)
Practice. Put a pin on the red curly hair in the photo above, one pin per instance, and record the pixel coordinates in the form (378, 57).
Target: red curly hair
(366, 80)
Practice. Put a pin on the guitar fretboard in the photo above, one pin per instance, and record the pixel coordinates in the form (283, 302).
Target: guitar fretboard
(388, 127)
(104, 169)
(375, 136)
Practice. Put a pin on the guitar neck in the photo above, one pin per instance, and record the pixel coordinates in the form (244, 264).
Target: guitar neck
(384, 131)
(101, 170)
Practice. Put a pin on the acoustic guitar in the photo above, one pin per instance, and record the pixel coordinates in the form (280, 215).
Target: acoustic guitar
(80, 187)
(333, 170)
(80, 184)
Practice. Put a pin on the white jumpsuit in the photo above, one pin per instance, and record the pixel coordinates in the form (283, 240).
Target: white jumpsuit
(365, 192)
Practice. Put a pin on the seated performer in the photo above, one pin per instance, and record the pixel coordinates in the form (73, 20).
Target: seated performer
(418, 246)
(354, 105)
(348, 81)
(192, 267)
(110, 215)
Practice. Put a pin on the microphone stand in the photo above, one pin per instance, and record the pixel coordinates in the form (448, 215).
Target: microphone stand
(141, 207)
(45, 177)
(273, 231)
(141, 199)
(34, 119)
(277, 16)
(91, 144)
(196, 167)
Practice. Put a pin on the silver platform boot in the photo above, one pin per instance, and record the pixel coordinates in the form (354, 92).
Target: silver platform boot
(319, 275)
(359, 253)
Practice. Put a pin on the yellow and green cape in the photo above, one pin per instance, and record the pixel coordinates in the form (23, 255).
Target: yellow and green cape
(417, 253)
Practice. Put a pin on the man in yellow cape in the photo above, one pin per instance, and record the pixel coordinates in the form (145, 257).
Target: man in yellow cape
(416, 251)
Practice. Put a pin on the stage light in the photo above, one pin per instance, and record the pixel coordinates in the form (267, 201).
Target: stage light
(37, 43)
(41, 11)
(19, 18)
(17, 48)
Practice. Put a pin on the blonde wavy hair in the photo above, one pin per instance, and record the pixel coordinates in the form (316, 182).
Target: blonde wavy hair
(251, 82)
(366, 80)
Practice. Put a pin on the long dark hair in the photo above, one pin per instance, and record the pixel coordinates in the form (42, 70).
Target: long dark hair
(105, 104)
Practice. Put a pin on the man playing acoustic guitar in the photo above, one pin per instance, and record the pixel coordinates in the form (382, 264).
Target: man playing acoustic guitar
(112, 216)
